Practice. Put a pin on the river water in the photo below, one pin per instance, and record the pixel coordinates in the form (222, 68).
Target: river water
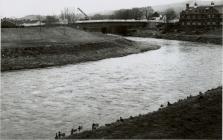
(40, 102)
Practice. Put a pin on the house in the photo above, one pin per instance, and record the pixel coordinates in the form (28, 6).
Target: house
(201, 16)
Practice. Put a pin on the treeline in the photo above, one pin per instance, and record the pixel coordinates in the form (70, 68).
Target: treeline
(69, 16)
(134, 13)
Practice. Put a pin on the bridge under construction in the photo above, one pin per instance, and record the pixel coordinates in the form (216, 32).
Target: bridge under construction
(115, 26)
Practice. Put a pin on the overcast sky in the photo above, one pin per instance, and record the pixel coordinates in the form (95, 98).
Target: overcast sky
(20, 8)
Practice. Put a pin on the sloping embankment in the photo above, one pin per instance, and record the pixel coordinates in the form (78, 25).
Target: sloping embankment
(214, 38)
(193, 38)
(198, 117)
(27, 48)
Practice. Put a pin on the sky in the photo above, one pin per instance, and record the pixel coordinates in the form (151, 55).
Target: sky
(20, 8)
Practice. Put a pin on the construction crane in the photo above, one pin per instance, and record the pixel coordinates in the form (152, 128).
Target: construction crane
(86, 16)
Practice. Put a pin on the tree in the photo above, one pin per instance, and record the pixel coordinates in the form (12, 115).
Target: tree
(170, 14)
(122, 14)
(155, 14)
(147, 12)
(51, 20)
(99, 17)
(136, 13)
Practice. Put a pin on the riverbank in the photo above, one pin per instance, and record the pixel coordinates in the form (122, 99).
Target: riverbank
(214, 38)
(198, 117)
(27, 48)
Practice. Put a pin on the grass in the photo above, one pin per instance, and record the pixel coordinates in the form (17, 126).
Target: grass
(49, 34)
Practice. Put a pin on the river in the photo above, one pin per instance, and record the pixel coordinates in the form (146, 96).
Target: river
(38, 103)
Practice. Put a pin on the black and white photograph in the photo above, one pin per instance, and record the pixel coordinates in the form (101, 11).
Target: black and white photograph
(111, 69)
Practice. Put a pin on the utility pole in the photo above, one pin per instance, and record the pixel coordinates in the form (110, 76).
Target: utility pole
(40, 23)
(18, 30)
(64, 23)
(39, 19)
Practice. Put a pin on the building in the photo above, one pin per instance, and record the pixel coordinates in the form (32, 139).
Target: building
(202, 16)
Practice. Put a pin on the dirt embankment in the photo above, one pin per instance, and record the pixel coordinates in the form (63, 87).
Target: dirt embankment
(198, 117)
(214, 38)
(27, 48)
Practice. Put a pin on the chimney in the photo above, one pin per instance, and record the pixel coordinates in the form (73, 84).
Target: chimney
(212, 4)
(195, 5)
(187, 6)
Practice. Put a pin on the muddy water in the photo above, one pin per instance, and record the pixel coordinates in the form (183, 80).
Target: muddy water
(38, 103)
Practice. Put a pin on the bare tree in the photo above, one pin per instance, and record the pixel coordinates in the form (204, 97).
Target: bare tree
(68, 14)
(147, 12)
(39, 18)
(51, 20)
(170, 14)
(136, 13)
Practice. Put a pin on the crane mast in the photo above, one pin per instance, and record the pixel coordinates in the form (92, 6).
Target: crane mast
(86, 16)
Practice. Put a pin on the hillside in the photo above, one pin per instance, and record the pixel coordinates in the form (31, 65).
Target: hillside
(32, 17)
(178, 7)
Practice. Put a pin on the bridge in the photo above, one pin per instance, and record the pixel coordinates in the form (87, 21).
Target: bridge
(115, 26)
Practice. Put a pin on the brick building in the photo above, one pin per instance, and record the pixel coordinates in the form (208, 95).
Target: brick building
(202, 16)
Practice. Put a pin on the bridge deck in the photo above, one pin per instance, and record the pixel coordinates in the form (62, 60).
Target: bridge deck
(112, 21)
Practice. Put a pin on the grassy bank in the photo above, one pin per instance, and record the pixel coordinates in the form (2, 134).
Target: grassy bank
(214, 37)
(35, 47)
(198, 117)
